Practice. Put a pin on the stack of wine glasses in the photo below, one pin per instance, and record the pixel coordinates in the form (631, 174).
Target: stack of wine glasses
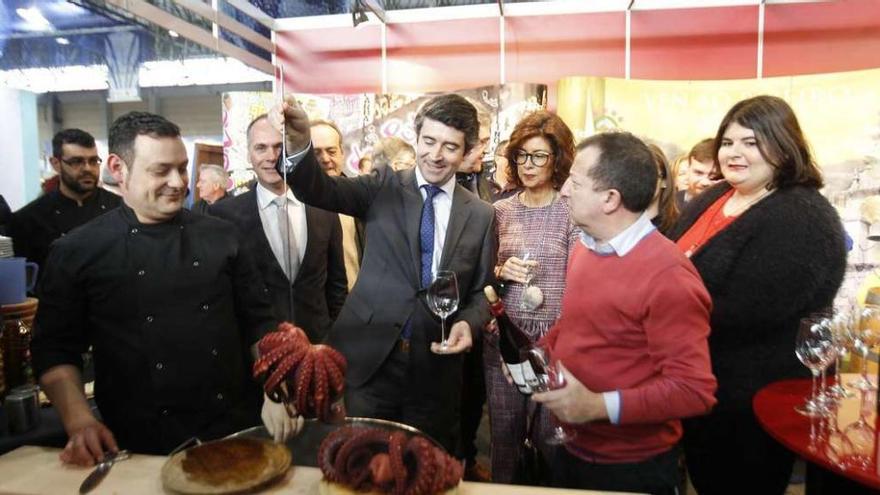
(815, 347)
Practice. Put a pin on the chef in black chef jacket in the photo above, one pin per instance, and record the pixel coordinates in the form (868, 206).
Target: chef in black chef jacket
(170, 302)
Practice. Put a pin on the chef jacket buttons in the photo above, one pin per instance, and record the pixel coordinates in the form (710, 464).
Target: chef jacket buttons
(160, 366)
(196, 263)
(150, 319)
(142, 273)
(205, 307)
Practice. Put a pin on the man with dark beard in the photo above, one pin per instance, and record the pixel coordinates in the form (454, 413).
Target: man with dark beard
(77, 200)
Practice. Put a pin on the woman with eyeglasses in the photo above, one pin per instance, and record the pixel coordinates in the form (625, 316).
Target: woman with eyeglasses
(535, 235)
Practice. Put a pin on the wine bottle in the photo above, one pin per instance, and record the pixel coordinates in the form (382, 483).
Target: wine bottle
(513, 344)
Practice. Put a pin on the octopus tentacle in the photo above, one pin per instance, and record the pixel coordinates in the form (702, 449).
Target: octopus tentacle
(269, 358)
(303, 378)
(319, 381)
(285, 367)
(329, 448)
(336, 356)
(335, 377)
(361, 438)
(396, 446)
(419, 451)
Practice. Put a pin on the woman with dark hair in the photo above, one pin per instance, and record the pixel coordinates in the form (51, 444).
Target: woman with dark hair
(663, 210)
(535, 235)
(770, 250)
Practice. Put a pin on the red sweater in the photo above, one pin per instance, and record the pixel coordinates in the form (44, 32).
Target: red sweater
(637, 324)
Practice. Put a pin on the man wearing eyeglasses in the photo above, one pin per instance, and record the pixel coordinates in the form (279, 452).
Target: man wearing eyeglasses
(77, 200)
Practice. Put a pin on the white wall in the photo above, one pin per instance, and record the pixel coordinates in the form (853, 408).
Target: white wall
(18, 140)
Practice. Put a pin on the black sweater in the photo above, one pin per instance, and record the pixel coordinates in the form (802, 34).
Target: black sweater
(780, 260)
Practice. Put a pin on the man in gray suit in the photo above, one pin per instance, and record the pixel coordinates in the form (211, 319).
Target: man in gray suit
(397, 368)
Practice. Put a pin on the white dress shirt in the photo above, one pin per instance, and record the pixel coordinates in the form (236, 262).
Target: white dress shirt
(442, 207)
(296, 214)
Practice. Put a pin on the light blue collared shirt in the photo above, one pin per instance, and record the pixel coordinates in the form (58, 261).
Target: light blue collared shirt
(620, 245)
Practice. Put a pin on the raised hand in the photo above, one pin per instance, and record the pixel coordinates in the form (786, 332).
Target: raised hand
(296, 121)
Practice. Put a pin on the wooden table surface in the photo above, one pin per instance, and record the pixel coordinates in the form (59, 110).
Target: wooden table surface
(37, 471)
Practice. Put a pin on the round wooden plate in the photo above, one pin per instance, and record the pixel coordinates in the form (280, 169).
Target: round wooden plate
(230, 465)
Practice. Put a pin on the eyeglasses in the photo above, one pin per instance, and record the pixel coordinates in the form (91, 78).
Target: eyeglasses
(79, 162)
(539, 158)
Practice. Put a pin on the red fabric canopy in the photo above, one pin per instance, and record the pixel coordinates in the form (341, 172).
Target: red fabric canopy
(679, 44)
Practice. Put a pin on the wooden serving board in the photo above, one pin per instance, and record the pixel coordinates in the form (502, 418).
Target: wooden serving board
(231, 465)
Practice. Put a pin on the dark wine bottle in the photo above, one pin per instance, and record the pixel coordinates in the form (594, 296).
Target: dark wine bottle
(513, 344)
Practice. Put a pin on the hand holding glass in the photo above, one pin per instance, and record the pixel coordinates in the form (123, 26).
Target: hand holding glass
(549, 377)
(442, 299)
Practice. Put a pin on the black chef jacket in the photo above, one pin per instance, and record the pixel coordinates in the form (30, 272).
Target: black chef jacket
(51, 216)
(171, 310)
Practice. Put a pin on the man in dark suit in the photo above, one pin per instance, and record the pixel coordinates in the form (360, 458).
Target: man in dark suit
(318, 289)
(417, 222)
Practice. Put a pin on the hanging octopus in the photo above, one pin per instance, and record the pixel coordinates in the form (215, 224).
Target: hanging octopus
(309, 378)
(374, 459)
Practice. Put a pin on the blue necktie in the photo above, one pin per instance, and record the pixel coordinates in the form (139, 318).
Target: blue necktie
(426, 234)
(426, 245)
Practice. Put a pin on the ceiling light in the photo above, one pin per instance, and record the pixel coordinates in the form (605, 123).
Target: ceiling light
(34, 17)
(357, 14)
(62, 41)
(173, 33)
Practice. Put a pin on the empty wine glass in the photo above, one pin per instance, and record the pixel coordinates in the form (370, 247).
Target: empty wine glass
(866, 335)
(443, 300)
(842, 328)
(860, 435)
(549, 377)
(814, 347)
(836, 447)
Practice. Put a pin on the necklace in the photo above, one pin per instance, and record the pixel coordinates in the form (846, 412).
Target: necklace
(532, 296)
(716, 223)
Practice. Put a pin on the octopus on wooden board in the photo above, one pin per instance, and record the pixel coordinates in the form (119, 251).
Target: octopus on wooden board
(375, 459)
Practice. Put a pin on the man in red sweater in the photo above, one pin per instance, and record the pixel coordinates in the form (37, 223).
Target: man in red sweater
(631, 339)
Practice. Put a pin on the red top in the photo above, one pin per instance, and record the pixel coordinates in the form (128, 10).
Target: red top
(711, 222)
(637, 324)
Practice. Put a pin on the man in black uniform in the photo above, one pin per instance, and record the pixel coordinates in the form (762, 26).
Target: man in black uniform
(168, 299)
(77, 200)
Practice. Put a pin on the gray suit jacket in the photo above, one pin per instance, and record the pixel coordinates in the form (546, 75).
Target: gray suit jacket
(388, 290)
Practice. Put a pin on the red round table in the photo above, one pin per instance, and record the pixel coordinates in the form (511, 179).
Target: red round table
(774, 408)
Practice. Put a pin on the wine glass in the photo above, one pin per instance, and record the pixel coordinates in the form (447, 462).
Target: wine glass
(842, 328)
(814, 347)
(866, 335)
(860, 435)
(549, 376)
(443, 300)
